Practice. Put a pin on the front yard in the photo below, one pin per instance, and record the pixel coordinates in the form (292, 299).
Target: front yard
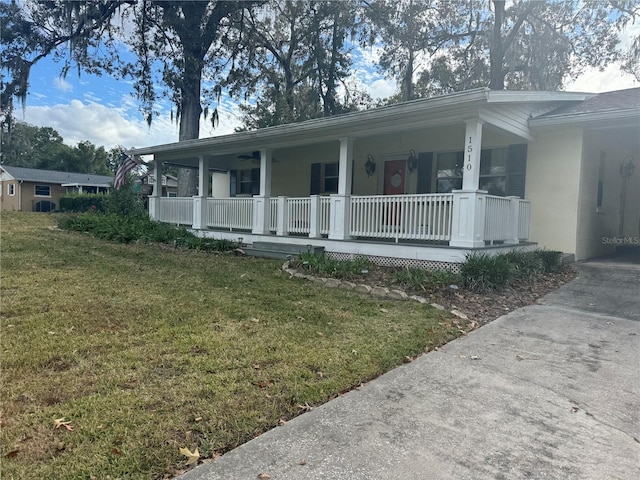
(146, 350)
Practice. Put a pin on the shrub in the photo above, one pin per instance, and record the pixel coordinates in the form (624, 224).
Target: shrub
(83, 202)
(481, 272)
(333, 268)
(128, 229)
(525, 265)
(126, 201)
(551, 260)
(418, 278)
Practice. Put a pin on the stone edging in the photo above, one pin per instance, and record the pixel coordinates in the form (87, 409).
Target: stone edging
(382, 292)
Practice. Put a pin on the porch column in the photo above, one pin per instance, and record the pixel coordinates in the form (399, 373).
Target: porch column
(469, 204)
(472, 148)
(283, 218)
(154, 198)
(261, 207)
(200, 201)
(340, 221)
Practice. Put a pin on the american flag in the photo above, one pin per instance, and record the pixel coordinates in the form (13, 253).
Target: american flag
(127, 163)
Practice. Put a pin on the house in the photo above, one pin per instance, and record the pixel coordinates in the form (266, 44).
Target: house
(33, 190)
(424, 182)
(146, 182)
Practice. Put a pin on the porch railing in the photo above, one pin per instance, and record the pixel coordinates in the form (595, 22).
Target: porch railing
(407, 217)
(175, 210)
(230, 213)
(497, 218)
(524, 219)
(424, 217)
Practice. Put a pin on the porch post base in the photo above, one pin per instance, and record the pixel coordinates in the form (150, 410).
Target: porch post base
(339, 218)
(261, 216)
(153, 208)
(467, 229)
(199, 213)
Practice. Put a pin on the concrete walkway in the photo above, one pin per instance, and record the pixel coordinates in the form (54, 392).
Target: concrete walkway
(554, 393)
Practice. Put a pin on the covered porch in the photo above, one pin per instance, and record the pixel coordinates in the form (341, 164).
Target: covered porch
(428, 180)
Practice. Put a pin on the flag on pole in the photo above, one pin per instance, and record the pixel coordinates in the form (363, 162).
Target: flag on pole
(127, 163)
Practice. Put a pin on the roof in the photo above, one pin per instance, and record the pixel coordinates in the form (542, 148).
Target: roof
(61, 178)
(606, 106)
(434, 111)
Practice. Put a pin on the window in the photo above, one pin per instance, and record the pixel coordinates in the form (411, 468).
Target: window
(324, 178)
(42, 191)
(502, 171)
(244, 182)
(449, 172)
(12, 189)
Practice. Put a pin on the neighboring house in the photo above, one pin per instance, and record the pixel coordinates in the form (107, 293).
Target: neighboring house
(426, 181)
(146, 183)
(32, 190)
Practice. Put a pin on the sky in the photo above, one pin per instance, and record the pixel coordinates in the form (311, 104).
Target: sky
(102, 110)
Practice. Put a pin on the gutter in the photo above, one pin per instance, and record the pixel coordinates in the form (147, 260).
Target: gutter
(20, 195)
(584, 118)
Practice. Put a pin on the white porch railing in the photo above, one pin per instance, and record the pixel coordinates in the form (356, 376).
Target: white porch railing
(425, 217)
(175, 210)
(407, 217)
(230, 213)
(524, 219)
(497, 218)
(325, 215)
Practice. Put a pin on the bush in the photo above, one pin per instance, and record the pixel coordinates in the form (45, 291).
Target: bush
(418, 278)
(551, 260)
(128, 229)
(83, 202)
(525, 265)
(125, 202)
(333, 268)
(482, 273)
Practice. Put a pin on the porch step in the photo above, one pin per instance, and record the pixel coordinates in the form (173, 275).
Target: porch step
(280, 250)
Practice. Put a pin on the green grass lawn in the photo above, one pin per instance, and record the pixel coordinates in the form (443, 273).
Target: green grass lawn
(146, 349)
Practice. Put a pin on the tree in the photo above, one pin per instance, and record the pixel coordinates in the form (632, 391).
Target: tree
(43, 148)
(524, 45)
(294, 58)
(177, 45)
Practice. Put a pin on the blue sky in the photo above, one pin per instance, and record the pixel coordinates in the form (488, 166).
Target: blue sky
(101, 109)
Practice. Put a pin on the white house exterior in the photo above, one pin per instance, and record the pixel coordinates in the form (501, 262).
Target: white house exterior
(424, 181)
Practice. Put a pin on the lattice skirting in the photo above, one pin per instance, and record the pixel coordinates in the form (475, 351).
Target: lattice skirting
(398, 262)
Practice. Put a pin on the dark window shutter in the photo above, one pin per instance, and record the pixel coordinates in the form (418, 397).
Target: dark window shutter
(516, 169)
(255, 181)
(425, 167)
(233, 182)
(316, 179)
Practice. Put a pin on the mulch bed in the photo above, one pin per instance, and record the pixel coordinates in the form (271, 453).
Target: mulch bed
(480, 308)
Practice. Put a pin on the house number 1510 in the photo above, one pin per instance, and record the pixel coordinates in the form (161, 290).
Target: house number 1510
(469, 150)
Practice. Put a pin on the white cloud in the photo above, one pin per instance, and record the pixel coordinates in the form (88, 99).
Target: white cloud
(62, 85)
(103, 126)
(596, 81)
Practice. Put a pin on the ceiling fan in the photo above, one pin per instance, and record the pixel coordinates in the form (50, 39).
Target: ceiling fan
(254, 157)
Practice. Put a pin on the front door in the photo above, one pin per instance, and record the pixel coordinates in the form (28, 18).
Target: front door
(394, 172)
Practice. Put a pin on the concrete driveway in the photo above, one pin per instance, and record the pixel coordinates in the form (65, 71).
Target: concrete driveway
(550, 391)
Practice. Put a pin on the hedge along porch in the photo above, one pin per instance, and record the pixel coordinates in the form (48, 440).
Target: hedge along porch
(422, 181)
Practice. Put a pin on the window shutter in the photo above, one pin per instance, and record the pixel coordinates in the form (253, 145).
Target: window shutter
(315, 187)
(425, 168)
(233, 183)
(516, 169)
(255, 181)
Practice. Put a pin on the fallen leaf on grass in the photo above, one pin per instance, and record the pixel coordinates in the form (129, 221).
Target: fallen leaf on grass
(264, 476)
(192, 456)
(281, 422)
(302, 462)
(384, 310)
(60, 422)
(306, 407)
(11, 453)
